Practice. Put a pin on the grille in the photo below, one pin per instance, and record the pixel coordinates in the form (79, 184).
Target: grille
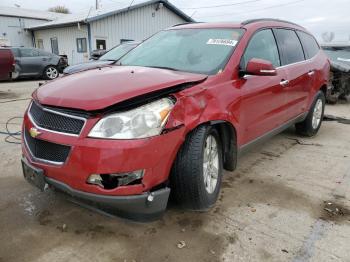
(55, 121)
(44, 150)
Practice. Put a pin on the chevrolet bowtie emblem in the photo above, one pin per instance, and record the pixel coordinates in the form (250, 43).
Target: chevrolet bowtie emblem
(34, 132)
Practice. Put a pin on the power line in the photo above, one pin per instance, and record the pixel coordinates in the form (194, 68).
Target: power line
(256, 10)
(214, 6)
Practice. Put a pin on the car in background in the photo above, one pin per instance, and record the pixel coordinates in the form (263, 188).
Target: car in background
(339, 84)
(33, 62)
(108, 58)
(6, 63)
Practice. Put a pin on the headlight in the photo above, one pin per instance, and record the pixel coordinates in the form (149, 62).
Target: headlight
(144, 121)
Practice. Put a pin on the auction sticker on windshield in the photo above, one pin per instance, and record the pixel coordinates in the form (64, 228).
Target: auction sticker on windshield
(229, 42)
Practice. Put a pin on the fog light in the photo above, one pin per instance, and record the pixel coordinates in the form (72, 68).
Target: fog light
(95, 180)
(111, 181)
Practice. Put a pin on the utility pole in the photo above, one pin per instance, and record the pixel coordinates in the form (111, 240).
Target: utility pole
(96, 4)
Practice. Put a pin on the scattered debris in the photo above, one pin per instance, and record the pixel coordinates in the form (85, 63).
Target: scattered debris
(212, 251)
(333, 209)
(299, 142)
(181, 244)
(62, 228)
(284, 250)
(253, 210)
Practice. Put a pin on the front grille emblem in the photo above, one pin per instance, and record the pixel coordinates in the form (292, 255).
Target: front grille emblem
(34, 132)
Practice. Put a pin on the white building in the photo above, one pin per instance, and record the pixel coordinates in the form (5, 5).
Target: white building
(14, 21)
(77, 35)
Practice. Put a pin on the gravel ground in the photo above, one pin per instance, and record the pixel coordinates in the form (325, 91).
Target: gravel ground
(289, 200)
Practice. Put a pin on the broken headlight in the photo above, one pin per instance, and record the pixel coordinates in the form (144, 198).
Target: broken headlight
(141, 122)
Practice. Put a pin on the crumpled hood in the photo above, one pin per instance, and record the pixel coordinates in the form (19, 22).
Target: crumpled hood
(100, 88)
(85, 66)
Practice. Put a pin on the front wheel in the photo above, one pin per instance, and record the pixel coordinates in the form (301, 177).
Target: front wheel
(312, 123)
(197, 171)
(51, 73)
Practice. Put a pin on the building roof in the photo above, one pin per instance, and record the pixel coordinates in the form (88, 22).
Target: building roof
(29, 13)
(94, 15)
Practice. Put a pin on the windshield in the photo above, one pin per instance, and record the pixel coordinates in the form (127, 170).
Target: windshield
(117, 52)
(203, 51)
(338, 54)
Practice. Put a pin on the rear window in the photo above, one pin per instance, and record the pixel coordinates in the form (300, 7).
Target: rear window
(289, 45)
(309, 44)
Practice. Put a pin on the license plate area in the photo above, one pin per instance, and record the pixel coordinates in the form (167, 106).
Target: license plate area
(33, 175)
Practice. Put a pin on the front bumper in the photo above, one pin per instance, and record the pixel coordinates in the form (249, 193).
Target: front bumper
(144, 207)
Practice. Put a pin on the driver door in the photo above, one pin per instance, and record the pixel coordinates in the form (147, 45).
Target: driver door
(263, 103)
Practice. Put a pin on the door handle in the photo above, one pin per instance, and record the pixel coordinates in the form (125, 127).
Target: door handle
(284, 83)
(311, 73)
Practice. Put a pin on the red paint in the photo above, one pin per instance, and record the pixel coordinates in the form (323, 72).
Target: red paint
(7, 63)
(253, 105)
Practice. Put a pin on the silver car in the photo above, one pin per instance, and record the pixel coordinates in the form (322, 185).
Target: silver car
(33, 62)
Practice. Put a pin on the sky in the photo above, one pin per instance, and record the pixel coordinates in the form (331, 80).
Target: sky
(321, 17)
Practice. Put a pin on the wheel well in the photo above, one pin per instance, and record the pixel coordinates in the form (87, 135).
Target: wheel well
(228, 137)
(324, 90)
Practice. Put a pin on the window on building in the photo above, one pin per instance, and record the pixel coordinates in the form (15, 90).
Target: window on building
(101, 44)
(289, 46)
(40, 44)
(262, 45)
(81, 45)
(54, 45)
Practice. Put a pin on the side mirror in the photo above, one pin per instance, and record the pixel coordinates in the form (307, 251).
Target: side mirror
(260, 67)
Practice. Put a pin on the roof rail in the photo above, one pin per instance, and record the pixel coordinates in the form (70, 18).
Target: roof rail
(186, 23)
(250, 21)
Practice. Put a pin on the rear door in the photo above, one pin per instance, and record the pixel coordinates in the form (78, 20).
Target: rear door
(263, 101)
(298, 84)
(30, 61)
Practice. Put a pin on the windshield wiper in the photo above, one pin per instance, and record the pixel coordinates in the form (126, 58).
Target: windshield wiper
(164, 67)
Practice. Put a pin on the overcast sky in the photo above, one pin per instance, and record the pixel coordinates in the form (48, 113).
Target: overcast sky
(318, 16)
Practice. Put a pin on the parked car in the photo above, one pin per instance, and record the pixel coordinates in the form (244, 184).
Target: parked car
(6, 63)
(339, 84)
(33, 62)
(108, 58)
(181, 108)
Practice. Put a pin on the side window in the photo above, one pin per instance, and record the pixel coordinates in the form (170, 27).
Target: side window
(81, 45)
(309, 43)
(289, 45)
(29, 52)
(262, 45)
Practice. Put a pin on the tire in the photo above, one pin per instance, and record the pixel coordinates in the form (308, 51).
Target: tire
(312, 123)
(50, 73)
(189, 187)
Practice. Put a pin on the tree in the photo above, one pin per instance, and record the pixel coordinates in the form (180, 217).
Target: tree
(59, 9)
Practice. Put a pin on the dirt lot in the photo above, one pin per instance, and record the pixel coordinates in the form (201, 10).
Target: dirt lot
(274, 207)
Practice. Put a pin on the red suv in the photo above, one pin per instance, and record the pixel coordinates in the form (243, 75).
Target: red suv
(175, 112)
